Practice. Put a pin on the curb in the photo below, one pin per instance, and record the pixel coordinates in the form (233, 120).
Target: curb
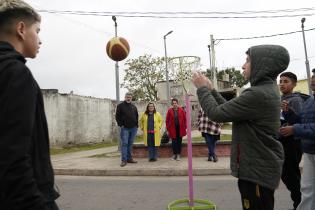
(141, 172)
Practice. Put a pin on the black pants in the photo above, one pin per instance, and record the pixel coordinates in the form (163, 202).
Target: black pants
(177, 145)
(255, 197)
(291, 175)
(177, 142)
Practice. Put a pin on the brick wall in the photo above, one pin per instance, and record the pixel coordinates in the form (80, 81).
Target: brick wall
(199, 149)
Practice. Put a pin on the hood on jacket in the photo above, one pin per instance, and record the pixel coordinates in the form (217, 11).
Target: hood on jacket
(267, 62)
(7, 51)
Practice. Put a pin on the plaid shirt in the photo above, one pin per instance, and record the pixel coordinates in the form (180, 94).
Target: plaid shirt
(205, 125)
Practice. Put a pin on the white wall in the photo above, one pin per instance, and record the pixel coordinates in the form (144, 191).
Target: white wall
(74, 119)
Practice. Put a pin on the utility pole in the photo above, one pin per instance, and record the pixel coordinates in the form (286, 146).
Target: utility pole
(212, 63)
(307, 64)
(166, 69)
(117, 87)
(211, 74)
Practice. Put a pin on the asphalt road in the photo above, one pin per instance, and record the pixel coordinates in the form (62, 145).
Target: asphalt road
(151, 193)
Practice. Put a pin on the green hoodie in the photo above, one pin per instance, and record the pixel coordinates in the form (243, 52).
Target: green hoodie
(256, 155)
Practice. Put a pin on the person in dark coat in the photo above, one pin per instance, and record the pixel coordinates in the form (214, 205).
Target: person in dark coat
(304, 128)
(256, 154)
(291, 175)
(127, 120)
(26, 173)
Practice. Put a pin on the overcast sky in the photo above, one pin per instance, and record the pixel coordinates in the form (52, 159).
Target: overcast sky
(73, 56)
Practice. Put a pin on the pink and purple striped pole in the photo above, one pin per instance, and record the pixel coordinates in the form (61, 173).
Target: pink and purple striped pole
(189, 151)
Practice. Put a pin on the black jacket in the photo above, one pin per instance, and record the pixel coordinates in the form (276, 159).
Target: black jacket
(127, 115)
(26, 174)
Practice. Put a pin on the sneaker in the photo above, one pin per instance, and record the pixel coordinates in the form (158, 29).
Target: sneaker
(151, 160)
(210, 158)
(215, 158)
(132, 161)
(123, 163)
(173, 157)
(178, 158)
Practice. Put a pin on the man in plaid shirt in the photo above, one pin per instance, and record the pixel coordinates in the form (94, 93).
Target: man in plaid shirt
(211, 132)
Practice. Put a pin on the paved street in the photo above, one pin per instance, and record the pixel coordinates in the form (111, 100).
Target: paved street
(150, 193)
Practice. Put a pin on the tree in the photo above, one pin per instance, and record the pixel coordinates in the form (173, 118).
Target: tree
(235, 77)
(141, 77)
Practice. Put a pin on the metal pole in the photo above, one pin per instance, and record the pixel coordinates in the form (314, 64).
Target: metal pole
(166, 69)
(116, 67)
(214, 79)
(189, 152)
(117, 87)
(211, 74)
(307, 64)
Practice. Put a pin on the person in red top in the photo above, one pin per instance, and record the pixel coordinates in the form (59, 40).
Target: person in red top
(176, 127)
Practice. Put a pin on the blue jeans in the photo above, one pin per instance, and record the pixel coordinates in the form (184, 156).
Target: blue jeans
(211, 142)
(127, 136)
(152, 152)
(308, 183)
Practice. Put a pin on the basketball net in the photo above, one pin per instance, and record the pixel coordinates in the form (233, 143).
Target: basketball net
(182, 68)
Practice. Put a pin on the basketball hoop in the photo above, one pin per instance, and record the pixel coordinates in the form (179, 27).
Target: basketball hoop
(182, 67)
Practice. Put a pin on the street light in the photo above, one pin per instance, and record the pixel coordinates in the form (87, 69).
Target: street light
(166, 69)
(307, 64)
(116, 66)
(117, 85)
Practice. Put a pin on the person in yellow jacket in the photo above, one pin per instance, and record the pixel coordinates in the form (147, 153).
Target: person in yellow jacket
(150, 123)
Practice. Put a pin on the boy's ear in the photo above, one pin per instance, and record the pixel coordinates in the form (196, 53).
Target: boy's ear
(20, 30)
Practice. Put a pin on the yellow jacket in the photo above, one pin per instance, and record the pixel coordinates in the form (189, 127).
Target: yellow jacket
(158, 122)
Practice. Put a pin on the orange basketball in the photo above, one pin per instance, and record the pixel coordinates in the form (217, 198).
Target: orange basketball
(117, 48)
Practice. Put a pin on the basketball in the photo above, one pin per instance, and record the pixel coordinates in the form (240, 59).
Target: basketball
(117, 48)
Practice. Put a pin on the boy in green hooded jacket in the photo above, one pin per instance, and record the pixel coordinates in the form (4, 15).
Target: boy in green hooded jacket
(256, 155)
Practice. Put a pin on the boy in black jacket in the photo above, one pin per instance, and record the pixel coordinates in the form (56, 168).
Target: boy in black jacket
(26, 174)
(291, 175)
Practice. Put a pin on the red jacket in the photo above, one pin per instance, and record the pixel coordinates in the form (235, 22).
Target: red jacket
(170, 122)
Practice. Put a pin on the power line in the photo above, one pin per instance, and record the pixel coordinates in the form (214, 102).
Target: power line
(297, 59)
(182, 15)
(193, 12)
(263, 36)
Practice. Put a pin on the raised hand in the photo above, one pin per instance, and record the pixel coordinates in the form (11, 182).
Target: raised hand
(200, 80)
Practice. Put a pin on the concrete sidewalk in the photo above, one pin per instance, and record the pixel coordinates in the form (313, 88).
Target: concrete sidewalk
(84, 164)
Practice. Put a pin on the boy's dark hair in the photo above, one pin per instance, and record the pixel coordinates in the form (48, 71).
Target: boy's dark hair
(313, 70)
(290, 75)
(174, 99)
(12, 11)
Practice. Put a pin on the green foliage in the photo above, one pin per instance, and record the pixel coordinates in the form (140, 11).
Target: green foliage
(209, 73)
(235, 77)
(141, 77)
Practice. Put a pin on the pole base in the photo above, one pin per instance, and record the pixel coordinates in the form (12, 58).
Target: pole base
(199, 204)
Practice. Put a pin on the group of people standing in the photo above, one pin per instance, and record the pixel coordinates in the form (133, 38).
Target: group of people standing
(151, 122)
(261, 153)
